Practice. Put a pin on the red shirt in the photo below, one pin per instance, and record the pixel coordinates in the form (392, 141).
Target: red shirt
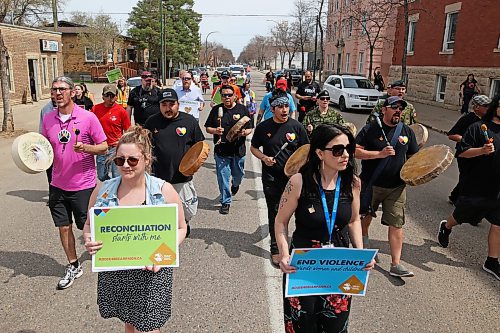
(114, 121)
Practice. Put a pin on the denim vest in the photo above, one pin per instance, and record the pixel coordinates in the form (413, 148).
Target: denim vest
(107, 196)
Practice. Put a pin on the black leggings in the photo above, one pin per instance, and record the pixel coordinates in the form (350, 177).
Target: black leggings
(273, 191)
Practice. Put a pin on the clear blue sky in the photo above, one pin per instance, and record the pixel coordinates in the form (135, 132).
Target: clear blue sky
(233, 32)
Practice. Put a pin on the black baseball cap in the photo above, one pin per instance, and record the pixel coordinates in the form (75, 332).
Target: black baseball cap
(395, 100)
(168, 95)
(324, 93)
(225, 75)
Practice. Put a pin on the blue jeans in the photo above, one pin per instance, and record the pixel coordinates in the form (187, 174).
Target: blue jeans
(225, 167)
(104, 165)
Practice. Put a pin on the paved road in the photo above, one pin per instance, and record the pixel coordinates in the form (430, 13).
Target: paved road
(225, 282)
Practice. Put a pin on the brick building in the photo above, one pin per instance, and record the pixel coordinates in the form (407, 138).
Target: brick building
(31, 53)
(78, 59)
(346, 44)
(447, 40)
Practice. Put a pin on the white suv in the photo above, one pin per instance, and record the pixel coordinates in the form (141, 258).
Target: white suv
(351, 92)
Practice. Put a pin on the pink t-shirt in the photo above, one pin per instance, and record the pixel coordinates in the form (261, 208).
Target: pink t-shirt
(72, 171)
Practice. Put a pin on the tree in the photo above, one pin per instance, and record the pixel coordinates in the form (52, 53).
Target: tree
(8, 118)
(303, 23)
(372, 18)
(181, 29)
(259, 50)
(286, 42)
(99, 36)
(26, 12)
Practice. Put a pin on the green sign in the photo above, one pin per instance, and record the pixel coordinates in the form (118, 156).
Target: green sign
(217, 99)
(113, 75)
(134, 237)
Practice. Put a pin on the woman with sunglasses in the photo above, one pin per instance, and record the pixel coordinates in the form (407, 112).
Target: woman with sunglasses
(330, 168)
(139, 298)
(322, 114)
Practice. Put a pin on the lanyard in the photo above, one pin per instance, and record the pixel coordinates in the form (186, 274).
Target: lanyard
(330, 221)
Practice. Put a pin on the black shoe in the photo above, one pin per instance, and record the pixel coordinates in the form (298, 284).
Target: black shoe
(224, 209)
(234, 190)
(443, 234)
(188, 230)
(492, 267)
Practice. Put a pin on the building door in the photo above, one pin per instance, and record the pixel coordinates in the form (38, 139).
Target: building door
(34, 83)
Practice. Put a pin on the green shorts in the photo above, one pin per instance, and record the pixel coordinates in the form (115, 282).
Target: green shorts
(393, 202)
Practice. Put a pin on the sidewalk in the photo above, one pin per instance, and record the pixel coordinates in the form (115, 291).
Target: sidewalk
(438, 119)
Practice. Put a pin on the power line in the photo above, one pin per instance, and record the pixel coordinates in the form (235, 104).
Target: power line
(206, 14)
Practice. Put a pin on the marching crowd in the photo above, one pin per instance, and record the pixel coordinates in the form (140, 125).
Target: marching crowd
(139, 165)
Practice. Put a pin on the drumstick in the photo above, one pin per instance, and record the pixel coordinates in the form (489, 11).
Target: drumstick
(77, 132)
(484, 128)
(220, 113)
(281, 149)
(382, 129)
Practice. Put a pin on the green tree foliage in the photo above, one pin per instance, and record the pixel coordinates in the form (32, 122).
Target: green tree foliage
(181, 29)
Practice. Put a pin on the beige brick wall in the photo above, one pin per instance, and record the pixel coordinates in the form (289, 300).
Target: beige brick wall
(23, 44)
(422, 82)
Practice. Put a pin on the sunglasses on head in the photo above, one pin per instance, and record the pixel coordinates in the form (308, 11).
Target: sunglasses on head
(131, 161)
(397, 107)
(324, 98)
(338, 150)
(227, 95)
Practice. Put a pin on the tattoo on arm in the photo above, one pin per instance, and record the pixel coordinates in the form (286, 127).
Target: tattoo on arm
(286, 192)
(288, 188)
(283, 200)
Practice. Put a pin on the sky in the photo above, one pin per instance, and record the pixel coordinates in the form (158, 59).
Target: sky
(234, 32)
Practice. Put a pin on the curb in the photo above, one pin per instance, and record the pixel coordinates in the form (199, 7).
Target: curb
(435, 129)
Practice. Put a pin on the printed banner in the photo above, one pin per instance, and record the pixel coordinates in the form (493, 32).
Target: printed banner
(323, 271)
(134, 237)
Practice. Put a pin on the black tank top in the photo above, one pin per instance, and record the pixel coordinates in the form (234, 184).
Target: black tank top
(311, 228)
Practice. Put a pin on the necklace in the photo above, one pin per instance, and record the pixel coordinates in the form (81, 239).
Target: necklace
(64, 136)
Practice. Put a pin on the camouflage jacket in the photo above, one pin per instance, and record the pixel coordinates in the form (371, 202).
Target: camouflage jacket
(408, 116)
(314, 118)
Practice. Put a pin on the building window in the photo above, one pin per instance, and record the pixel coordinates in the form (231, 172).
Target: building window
(410, 46)
(441, 88)
(10, 77)
(335, 31)
(54, 68)
(119, 57)
(337, 5)
(347, 62)
(45, 72)
(361, 63)
(333, 62)
(449, 31)
(495, 88)
(350, 26)
(363, 25)
(91, 56)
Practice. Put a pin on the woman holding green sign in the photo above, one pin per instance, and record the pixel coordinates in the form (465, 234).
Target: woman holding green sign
(139, 298)
(326, 186)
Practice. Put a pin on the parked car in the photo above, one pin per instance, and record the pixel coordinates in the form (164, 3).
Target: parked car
(221, 69)
(296, 76)
(351, 92)
(134, 81)
(235, 69)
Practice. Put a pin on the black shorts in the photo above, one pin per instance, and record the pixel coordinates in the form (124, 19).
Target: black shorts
(473, 209)
(66, 205)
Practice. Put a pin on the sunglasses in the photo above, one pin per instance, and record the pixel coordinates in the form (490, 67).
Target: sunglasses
(120, 161)
(397, 107)
(59, 89)
(109, 95)
(227, 95)
(186, 78)
(338, 150)
(324, 98)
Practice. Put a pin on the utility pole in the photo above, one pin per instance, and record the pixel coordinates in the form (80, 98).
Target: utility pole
(54, 14)
(315, 47)
(162, 42)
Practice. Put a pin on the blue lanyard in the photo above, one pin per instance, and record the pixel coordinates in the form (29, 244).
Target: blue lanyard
(330, 221)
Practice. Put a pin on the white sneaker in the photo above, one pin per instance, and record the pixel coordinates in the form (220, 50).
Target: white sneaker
(70, 275)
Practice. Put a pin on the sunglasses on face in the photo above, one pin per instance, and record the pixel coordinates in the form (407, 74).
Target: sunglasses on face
(397, 107)
(324, 98)
(131, 161)
(338, 150)
(186, 78)
(227, 95)
(109, 95)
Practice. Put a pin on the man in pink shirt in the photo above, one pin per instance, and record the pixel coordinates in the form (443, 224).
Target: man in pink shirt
(76, 136)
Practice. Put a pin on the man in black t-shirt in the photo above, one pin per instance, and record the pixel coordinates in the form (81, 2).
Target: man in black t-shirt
(306, 94)
(173, 133)
(229, 156)
(479, 106)
(386, 188)
(480, 184)
(279, 137)
(143, 100)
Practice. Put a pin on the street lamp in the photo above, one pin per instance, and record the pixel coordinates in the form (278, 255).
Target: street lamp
(206, 45)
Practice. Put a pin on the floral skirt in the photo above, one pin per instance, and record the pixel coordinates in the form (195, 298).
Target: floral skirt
(317, 314)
